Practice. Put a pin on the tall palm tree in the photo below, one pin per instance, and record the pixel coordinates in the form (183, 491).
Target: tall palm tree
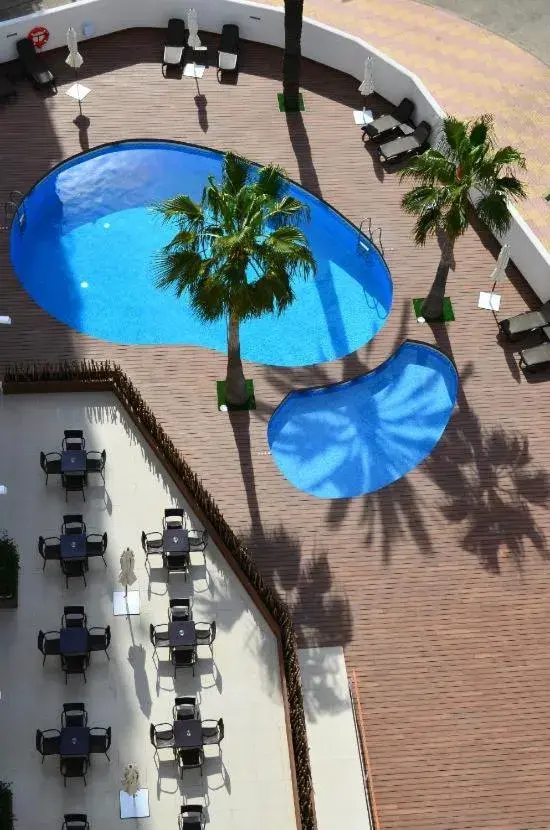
(294, 12)
(236, 253)
(466, 162)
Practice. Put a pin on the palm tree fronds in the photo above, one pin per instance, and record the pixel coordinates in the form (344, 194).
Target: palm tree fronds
(508, 157)
(235, 172)
(179, 207)
(493, 210)
(510, 186)
(270, 181)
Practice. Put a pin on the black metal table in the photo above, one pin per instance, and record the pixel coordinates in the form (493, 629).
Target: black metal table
(73, 461)
(175, 540)
(187, 734)
(74, 641)
(73, 546)
(74, 742)
(181, 634)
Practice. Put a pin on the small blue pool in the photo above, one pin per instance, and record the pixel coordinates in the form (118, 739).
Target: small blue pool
(359, 436)
(85, 254)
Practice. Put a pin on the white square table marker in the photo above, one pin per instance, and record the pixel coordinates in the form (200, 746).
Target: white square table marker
(362, 117)
(125, 605)
(489, 301)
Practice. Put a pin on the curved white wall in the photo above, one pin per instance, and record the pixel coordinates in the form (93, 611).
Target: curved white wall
(265, 24)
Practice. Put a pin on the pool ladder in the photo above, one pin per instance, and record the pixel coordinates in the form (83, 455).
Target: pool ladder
(14, 207)
(369, 233)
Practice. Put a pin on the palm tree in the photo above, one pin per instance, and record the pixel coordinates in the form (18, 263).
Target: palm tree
(294, 12)
(466, 162)
(236, 253)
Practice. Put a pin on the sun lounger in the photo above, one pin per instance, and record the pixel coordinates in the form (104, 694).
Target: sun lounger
(515, 327)
(34, 67)
(176, 38)
(382, 127)
(408, 145)
(7, 89)
(537, 357)
(228, 54)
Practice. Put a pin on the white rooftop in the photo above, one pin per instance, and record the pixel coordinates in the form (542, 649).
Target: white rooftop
(251, 788)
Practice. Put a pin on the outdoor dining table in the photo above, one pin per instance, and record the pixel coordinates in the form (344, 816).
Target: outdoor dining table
(74, 641)
(73, 546)
(175, 540)
(74, 742)
(187, 734)
(73, 461)
(181, 634)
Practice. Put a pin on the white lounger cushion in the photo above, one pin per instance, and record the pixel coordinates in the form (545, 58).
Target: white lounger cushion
(227, 61)
(173, 54)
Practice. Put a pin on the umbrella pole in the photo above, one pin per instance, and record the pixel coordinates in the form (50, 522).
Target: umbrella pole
(79, 102)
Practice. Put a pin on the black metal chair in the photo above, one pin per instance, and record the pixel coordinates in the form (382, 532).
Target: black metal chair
(151, 543)
(76, 821)
(49, 548)
(191, 817)
(73, 523)
(48, 742)
(161, 736)
(176, 563)
(74, 714)
(73, 483)
(180, 609)
(198, 539)
(73, 568)
(190, 759)
(50, 463)
(75, 664)
(48, 643)
(185, 708)
(74, 768)
(73, 439)
(206, 634)
(173, 517)
(74, 616)
(213, 732)
(99, 639)
(100, 740)
(183, 658)
(95, 462)
(96, 545)
(158, 634)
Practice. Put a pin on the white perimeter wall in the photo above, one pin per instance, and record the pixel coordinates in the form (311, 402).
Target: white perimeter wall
(265, 24)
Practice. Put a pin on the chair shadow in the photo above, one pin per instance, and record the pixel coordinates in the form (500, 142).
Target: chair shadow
(213, 761)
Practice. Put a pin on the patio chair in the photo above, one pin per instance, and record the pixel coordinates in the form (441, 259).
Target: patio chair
(176, 563)
(516, 327)
(75, 664)
(48, 742)
(151, 543)
(96, 545)
(74, 616)
(34, 67)
(176, 38)
(95, 462)
(190, 759)
(158, 634)
(213, 732)
(49, 643)
(185, 708)
(198, 539)
(537, 357)
(50, 463)
(74, 714)
(74, 768)
(100, 639)
(71, 568)
(383, 126)
(75, 821)
(228, 53)
(49, 548)
(100, 740)
(174, 517)
(183, 658)
(180, 609)
(161, 736)
(191, 817)
(406, 146)
(206, 634)
(73, 523)
(73, 439)
(73, 483)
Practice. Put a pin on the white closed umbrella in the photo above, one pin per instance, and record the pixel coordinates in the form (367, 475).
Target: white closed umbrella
(130, 779)
(366, 87)
(499, 274)
(74, 58)
(127, 563)
(193, 26)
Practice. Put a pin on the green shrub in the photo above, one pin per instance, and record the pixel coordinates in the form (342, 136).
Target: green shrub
(9, 566)
(6, 805)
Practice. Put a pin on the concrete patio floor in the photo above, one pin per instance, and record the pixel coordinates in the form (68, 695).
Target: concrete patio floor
(251, 787)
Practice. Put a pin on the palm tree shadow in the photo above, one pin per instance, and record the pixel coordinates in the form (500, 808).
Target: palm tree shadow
(302, 150)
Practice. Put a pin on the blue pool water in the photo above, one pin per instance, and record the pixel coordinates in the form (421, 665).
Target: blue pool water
(356, 437)
(86, 251)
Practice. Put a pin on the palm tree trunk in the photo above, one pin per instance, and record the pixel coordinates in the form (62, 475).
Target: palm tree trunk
(294, 10)
(432, 307)
(235, 384)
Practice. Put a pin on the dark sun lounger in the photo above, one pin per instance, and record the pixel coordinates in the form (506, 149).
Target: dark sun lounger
(534, 358)
(515, 327)
(385, 125)
(176, 38)
(34, 67)
(407, 145)
(228, 53)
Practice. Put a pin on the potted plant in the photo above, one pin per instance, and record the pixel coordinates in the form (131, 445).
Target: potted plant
(6, 807)
(9, 572)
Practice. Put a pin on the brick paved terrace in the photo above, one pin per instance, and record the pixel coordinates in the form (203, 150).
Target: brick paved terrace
(437, 586)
